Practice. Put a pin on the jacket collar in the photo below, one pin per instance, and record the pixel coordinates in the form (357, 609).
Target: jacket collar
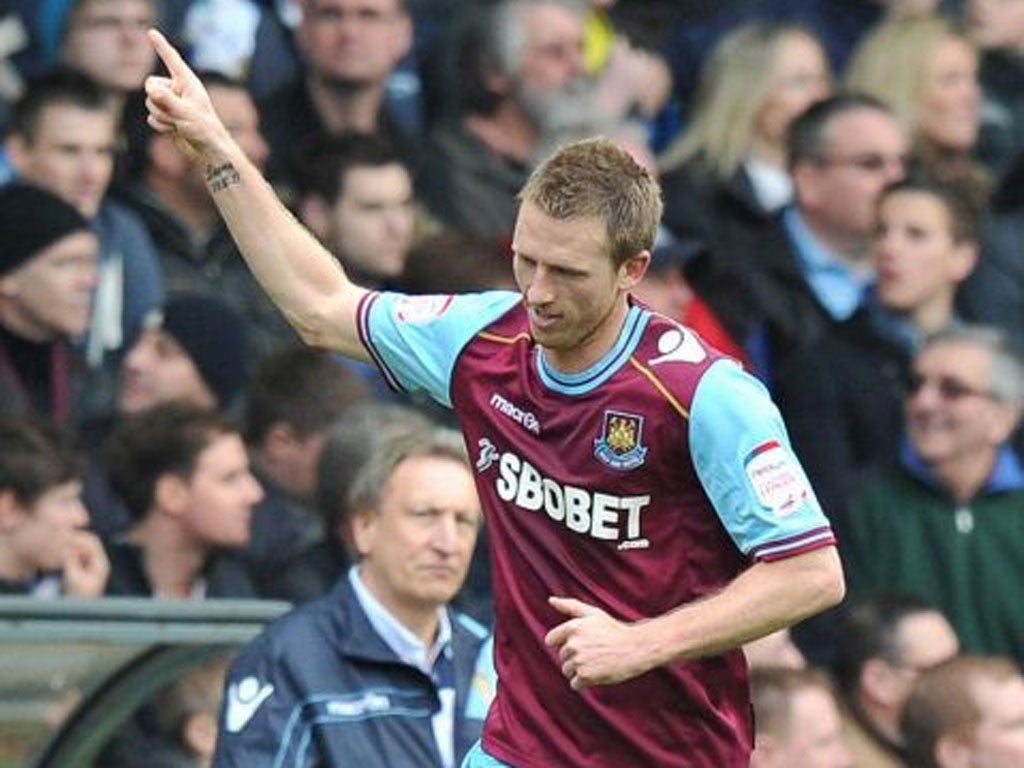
(1007, 472)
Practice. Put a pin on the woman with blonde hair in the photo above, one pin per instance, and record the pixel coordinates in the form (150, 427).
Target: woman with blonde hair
(926, 70)
(730, 166)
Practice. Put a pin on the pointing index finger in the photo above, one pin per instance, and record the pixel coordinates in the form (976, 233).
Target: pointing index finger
(168, 55)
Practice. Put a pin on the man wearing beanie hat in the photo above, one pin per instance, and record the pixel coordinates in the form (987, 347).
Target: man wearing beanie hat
(47, 275)
(196, 351)
(62, 138)
(193, 352)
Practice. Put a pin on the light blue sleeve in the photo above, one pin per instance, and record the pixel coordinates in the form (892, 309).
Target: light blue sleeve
(415, 340)
(745, 462)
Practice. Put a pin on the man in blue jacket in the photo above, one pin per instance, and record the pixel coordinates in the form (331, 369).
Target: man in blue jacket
(380, 672)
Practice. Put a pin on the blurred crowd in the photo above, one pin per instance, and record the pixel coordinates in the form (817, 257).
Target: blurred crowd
(844, 214)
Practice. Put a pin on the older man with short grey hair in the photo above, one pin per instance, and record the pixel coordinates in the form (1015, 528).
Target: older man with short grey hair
(947, 522)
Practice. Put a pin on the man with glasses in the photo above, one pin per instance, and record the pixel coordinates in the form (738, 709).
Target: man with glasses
(946, 523)
(350, 48)
(787, 285)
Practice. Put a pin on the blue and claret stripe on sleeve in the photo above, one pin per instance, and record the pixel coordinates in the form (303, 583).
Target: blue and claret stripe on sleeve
(363, 328)
(816, 538)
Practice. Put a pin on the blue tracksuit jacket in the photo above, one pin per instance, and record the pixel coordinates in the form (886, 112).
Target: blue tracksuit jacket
(321, 688)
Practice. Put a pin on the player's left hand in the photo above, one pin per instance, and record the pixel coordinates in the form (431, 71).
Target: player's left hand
(593, 647)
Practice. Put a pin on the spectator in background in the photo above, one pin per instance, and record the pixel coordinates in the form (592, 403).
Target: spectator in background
(184, 475)
(967, 712)
(186, 711)
(997, 28)
(293, 398)
(178, 727)
(47, 277)
(843, 399)
(355, 195)
(62, 138)
(796, 720)
(521, 78)
(168, 193)
(781, 287)
(353, 438)
(106, 39)
(414, 677)
(885, 641)
(838, 24)
(629, 82)
(926, 70)
(946, 522)
(194, 350)
(995, 292)
(349, 48)
(729, 167)
(45, 549)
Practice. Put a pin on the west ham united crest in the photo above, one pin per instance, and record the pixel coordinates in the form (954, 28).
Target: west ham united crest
(619, 445)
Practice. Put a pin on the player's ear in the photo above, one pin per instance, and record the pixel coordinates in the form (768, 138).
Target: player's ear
(633, 269)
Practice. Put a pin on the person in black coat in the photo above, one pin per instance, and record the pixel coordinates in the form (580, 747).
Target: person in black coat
(843, 397)
(184, 476)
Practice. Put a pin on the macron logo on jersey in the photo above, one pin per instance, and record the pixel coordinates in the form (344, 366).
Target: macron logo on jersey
(244, 698)
(598, 515)
(517, 414)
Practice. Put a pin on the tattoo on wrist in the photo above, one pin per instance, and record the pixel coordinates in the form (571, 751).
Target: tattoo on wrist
(220, 177)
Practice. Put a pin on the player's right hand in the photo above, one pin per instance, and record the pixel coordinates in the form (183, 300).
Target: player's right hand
(179, 105)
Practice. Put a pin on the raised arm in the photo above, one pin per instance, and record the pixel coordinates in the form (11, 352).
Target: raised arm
(299, 275)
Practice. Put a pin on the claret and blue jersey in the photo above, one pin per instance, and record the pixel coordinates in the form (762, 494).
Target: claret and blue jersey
(645, 482)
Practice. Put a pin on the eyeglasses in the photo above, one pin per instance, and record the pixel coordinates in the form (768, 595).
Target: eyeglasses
(947, 387)
(870, 162)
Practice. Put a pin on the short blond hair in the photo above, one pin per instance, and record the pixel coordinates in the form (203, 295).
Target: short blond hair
(596, 177)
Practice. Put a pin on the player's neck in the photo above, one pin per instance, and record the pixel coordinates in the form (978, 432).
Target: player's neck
(594, 345)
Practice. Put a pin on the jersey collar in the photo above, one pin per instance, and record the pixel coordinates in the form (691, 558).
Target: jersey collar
(594, 376)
